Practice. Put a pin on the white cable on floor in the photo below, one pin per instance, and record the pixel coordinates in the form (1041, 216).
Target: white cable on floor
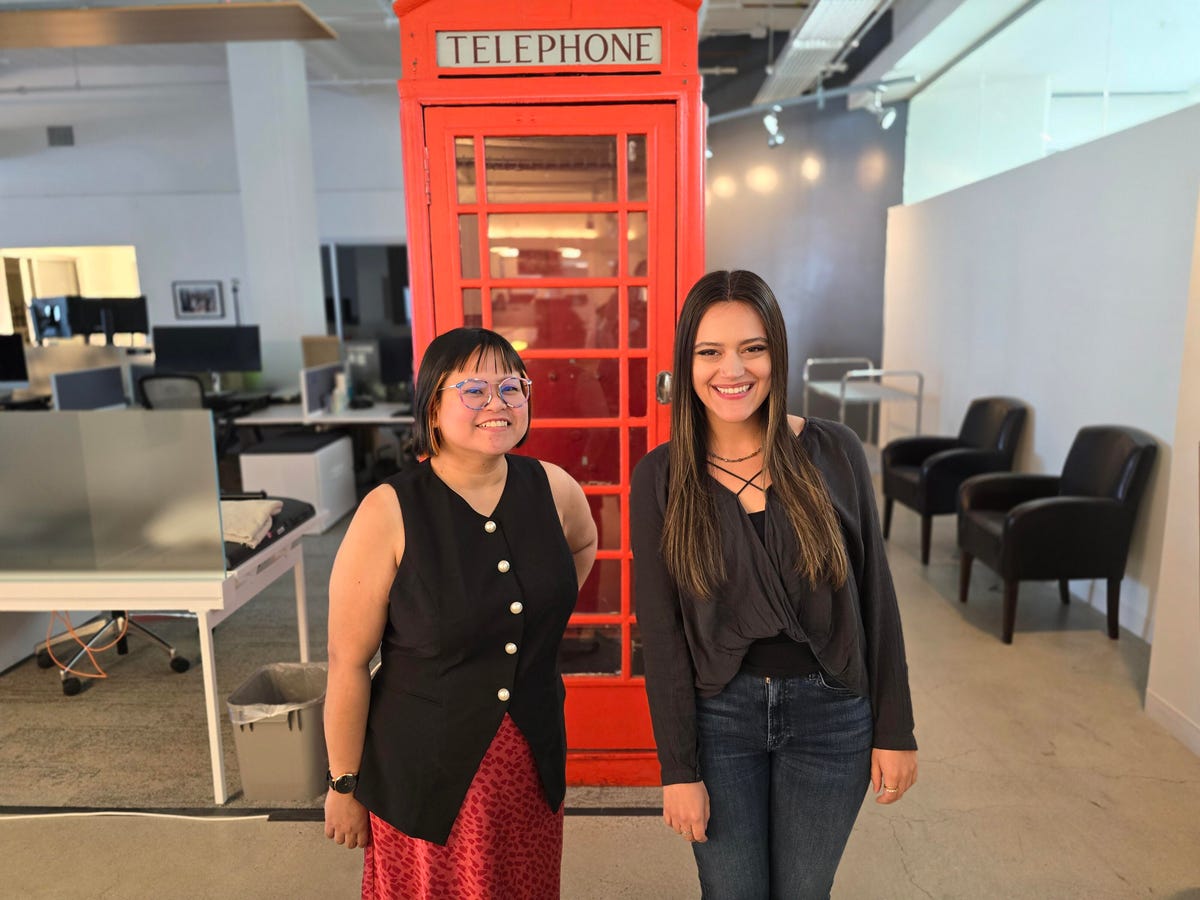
(148, 815)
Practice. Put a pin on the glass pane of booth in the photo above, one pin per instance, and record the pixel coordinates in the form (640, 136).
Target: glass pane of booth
(553, 245)
(551, 169)
(464, 168)
(570, 389)
(468, 245)
(557, 318)
(590, 455)
(635, 149)
(591, 650)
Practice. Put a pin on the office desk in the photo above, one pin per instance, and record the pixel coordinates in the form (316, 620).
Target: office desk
(212, 597)
(381, 414)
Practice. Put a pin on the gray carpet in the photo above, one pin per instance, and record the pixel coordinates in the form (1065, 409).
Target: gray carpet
(138, 738)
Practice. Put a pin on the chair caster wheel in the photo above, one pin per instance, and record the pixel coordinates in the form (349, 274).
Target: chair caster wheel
(72, 686)
(43, 659)
(179, 664)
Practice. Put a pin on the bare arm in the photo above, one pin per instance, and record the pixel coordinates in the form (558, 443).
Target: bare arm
(362, 576)
(576, 516)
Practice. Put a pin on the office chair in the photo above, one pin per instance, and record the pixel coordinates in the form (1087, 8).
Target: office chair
(160, 391)
(925, 471)
(98, 630)
(1054, 528)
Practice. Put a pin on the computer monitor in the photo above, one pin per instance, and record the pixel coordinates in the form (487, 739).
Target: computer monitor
(14, 374)
(207, 348)
(396, 359)
(54, 317)
(102, 388)
(363, 367)
(380, 367)
(114, 315)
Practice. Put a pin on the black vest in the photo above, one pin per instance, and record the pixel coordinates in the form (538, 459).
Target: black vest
(464, 595)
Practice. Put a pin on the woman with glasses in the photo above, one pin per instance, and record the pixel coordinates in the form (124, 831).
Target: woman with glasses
(449, 766)
(775, 664)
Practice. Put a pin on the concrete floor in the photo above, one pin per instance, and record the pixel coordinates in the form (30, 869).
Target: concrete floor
(1040, 778)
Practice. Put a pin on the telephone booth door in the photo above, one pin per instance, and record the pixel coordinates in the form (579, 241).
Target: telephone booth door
(560, 233)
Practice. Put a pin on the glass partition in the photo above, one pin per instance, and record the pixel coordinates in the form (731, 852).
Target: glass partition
(1060, 74)
(119, 494)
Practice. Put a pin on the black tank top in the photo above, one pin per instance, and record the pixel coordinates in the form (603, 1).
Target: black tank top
(779, 656)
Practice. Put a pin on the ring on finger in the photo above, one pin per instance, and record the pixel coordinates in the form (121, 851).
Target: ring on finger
(890, 790)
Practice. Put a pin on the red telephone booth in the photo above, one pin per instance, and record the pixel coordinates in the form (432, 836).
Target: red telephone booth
(553, 157)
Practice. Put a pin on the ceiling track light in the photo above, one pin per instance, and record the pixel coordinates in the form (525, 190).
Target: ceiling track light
(885, 114)
(775, 137)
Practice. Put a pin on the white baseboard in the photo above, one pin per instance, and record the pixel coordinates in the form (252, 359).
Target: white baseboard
(1174, 721)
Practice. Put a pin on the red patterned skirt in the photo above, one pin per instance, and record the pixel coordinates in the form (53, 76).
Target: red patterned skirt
(506, 844)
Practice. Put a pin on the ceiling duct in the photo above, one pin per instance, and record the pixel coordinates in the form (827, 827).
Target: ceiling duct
(827, 28)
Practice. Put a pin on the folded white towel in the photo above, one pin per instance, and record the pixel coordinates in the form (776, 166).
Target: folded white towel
(248, 521)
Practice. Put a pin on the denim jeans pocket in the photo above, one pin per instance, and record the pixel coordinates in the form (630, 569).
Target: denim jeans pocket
(834, 687)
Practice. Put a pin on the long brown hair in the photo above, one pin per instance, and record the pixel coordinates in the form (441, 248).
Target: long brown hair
(691, 541)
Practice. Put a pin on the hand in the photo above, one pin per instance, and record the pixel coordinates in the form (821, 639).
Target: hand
(346, 821)
(892, 773)
(685, 810)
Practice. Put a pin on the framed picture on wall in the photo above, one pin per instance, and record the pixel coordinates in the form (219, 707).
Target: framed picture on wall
(198, 299)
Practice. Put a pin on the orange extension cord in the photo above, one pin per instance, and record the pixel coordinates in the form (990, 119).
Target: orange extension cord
(91, 651)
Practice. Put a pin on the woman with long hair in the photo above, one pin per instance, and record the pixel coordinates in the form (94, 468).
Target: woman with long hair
(775, 664)
(449, 766)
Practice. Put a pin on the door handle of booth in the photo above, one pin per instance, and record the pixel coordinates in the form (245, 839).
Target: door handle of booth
(662, 388)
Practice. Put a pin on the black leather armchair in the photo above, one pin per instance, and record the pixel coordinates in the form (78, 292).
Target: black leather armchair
(924, 472)
(1047, 527)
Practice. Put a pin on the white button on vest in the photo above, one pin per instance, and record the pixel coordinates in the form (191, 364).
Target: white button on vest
(515, 607)
(510, 648)
(502, 693)
(503, 565)
(489, 526)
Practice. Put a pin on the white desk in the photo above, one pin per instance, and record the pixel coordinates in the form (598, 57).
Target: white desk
(381, 414)
(213, 597)
(862, 385)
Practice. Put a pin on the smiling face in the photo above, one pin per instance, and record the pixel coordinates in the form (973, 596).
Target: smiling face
(731, 364)
(491, 431)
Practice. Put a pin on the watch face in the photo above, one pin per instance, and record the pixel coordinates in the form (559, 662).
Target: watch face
(344, 784)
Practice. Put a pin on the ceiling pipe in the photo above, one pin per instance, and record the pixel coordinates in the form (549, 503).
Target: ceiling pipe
(819, 96)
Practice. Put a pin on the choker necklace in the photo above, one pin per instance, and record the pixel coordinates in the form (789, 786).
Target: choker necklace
(738, 459)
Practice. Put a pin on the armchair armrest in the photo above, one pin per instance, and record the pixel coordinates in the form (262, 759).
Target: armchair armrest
(1061, 537)
(963, 462)
(913, 451)
(943, 472)
(1004, 490)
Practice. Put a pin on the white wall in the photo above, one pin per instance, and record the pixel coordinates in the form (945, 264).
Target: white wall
(1064, 283)
(358, 166)
(156, 168)
(1173, 691)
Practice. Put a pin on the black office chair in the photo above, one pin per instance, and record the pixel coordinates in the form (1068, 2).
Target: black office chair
(1046, 527)
(924, 472)
(119, 623)
(162, 391)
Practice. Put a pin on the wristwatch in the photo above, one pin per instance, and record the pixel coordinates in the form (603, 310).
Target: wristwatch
(343, 784)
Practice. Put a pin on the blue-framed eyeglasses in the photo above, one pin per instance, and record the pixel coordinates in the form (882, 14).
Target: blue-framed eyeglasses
(476, 393)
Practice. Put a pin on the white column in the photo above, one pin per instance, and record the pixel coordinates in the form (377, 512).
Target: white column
(282, 292)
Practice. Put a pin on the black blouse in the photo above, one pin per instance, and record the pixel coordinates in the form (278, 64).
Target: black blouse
(697, 646)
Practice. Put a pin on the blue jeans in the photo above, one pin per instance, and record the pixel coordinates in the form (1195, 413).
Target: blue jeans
(786, 762)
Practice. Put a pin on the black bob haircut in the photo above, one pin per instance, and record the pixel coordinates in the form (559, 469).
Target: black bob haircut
(459, 348)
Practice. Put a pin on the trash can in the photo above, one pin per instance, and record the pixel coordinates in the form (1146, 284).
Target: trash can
(278, 730)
